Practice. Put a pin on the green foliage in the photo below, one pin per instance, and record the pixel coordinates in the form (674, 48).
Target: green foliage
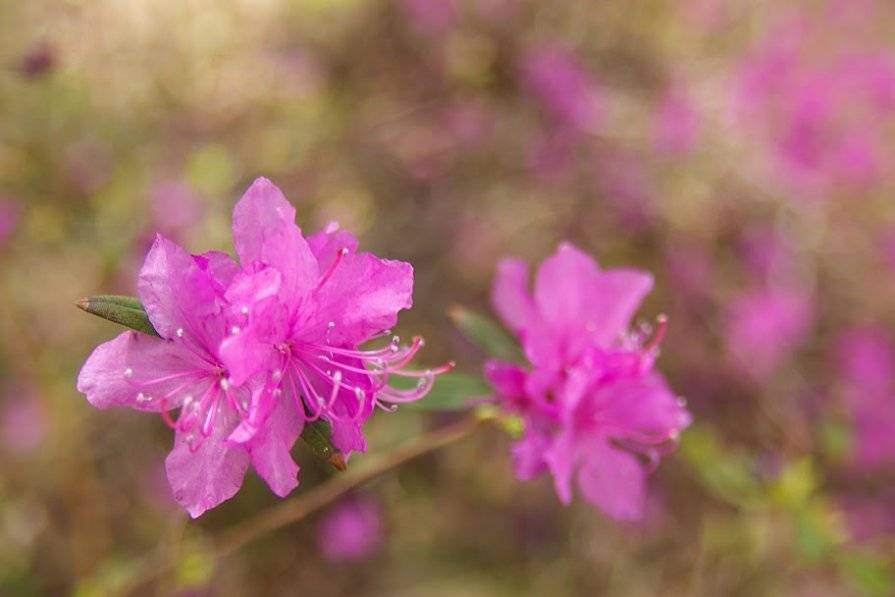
(452, 391)
(486, 334)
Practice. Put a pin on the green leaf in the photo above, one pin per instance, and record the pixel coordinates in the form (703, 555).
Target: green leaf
(123, 310)
(318, 436)
(452, 391)
(129, 312)
(486, 334)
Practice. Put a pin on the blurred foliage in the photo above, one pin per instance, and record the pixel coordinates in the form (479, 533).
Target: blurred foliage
(424, 127)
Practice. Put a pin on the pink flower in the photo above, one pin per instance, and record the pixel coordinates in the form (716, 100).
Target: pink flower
(594, 408)
(9, 218)
(350, 530)
(22, 421)
(184, 297)
(301, 308)
(765, 326)
(248, 354)
(676, 123)
(566, 92)
(867, 368)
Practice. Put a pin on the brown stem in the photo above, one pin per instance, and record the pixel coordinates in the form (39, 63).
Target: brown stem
(294, 510)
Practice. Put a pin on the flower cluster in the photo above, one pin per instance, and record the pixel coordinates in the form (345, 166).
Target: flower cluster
(251, 351)
(594, 409)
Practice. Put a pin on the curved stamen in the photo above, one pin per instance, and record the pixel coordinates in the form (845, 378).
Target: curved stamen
(340, 254)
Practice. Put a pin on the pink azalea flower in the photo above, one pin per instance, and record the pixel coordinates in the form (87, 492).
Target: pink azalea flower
(302, 307)
(566, 92)
(248, 354)
(595, 411)
(350, 530)
(184, 297)
(867, 369)
(765, 326)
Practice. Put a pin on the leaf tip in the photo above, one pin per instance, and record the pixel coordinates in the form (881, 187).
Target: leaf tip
(83, 304)
(337, 459)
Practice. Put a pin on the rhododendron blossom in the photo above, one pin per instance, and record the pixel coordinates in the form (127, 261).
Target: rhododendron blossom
(594, 409)
(249, 353)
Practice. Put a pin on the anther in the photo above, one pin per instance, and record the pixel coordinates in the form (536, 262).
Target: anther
(128, 373)
(179, 332)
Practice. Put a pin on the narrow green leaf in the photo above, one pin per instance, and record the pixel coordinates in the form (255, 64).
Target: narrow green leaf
(486, 334)
(123, 310)
(318, 436)
(452, 391)
(129, 312)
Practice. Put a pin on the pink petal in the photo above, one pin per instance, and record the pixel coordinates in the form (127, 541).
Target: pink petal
(361, 297)
(528, 454)
(507, 378)
(264, 231)
(510, 295)
(612, 480)
(212, 474)
(573, 294)
(119, 370)
(175, 291)
(643, 405)
(270, 448)
(327, 243)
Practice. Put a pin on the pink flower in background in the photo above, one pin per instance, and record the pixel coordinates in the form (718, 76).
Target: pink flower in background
(350, 530)
(429, 17)
(301, 308)
(595, 411)
(818, 113)
(174, 207)
(24, 425)
(866, 359)
(765, 325)
(9, 218)
(675, 123)
(566, 92)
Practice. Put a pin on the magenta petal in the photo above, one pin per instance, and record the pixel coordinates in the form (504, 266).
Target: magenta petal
(507, 378)
(362, 297)
(644, 406)
(270, 448)
(176, 293)
(329, 242)
(212, 474)
(572, 293)
(528, 454)
(220, 267)
(244, 355)
(130, 366)
(561, 457)
(612, 480)
(510, 295)
(264, 231)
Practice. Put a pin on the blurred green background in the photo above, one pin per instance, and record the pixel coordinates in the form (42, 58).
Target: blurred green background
(738, 150)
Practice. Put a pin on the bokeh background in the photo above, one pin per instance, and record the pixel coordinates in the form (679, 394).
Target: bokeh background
(741, 151)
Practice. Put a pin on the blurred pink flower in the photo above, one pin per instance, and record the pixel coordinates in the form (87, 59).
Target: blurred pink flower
(9, 218)
(350, 530)
(24, 423)
(869, 516)
(818, 113)
(675, 123)
(429, 17)
(174, 207)
(866, 359)
(567, 94)
(592, 405)
(765, 325)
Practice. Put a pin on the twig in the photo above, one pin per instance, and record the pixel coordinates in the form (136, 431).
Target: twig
(303, 505)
